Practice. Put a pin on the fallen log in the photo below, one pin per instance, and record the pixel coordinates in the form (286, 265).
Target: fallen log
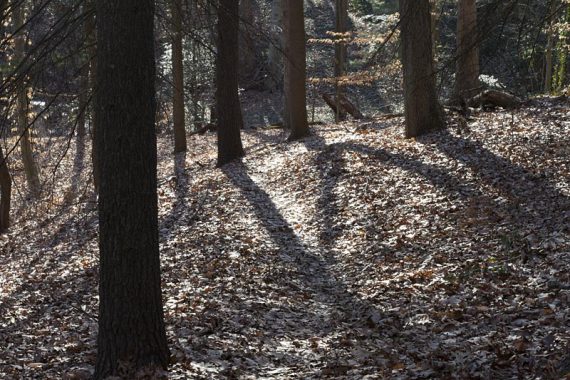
(494, 98)
(345, 106)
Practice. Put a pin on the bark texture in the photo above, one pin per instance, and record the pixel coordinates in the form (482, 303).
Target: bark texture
(295, 113)
(467, 70)
(230, 120)
(131, 327)
(422, 109)
(178, 78)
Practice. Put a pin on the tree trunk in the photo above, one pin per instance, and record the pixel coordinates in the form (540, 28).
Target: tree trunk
(90, 35)
(422, 109)
(341, 21)
(548, 58)
(30, 166)
(229, 116)
(178, 78)
(562, 52)
(295, 115)
(5, 193)
(246, 43)
(467, 70)
(275, 54)
(131, 327)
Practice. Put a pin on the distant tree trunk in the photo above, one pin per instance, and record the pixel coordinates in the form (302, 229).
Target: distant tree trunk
(230, 119)
(246, 42)
(422, 110)
(5, 193)
(90, 36)
(467, 70)
(341, 26)
(274, 79)
(178, 78)
(84, 87)
(548, 54)
(30, 166)
(295, 115)
(562, 52)
(434, 27)
(131, 327)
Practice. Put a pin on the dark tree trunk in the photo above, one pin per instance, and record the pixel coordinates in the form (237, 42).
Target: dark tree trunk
(295, 114)
(340, 49)
(131, 327)
(178, 78)
(422, 109)
(5, 193)
(230, 119)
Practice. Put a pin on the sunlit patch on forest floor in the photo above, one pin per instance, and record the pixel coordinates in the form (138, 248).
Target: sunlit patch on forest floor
(352, 254)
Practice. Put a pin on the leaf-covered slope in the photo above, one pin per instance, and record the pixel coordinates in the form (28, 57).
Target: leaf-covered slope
(353, 253)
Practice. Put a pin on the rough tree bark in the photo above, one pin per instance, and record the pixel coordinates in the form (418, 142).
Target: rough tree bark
(467, 65)
(295, 113)
(30, 166)
(422, 109)
(230, 120)
(178, 78)
(131, 328)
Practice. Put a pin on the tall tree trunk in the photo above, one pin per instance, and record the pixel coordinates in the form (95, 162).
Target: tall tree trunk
(230, 119)
(341, 26)
(131, 327)
(178, 78)
(295, 115)
(548, 54)
(434, 27)
(422, 110)
(30, 166)
(467, 70)
(91, 38)
(562, 52)
(246, 42)
(274, 79)
(5, 193)
(85, 86)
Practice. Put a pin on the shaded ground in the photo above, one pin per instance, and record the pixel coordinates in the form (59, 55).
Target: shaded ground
(353, 254)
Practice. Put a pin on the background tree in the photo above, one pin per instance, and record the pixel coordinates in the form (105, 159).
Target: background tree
(295, 114)
(131, 328)
(467, 65)
(422, 110)
(178, 77)
(274, 78)
(30, 166)
(341, 27)
(230, 120)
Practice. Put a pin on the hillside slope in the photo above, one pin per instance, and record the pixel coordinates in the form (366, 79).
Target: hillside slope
(352, 254)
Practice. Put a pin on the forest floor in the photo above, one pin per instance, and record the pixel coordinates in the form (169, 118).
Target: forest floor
(351, 254)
